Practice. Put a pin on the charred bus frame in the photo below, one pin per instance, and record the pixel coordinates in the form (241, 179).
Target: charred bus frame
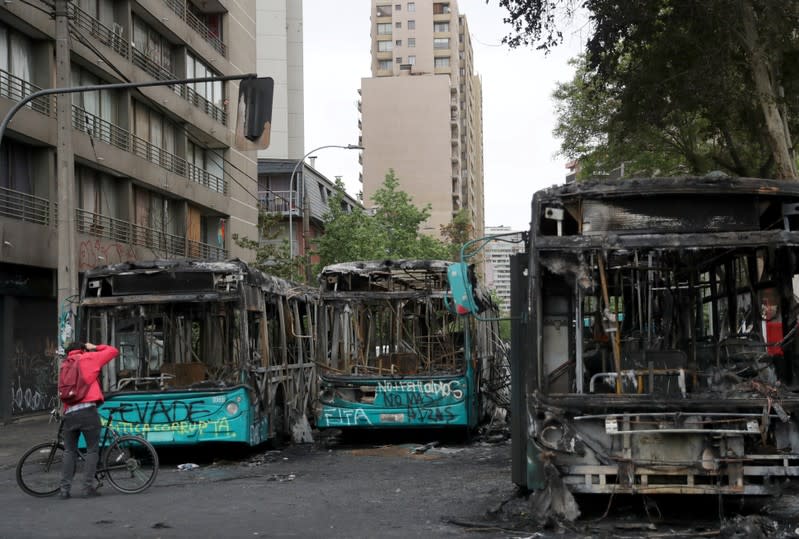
(653, 345)
(209, 351)
(393, 355)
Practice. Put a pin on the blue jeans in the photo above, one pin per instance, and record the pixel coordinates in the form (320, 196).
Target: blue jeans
(86, 421)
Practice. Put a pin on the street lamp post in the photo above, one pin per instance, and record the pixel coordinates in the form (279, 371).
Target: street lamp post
(291, 187)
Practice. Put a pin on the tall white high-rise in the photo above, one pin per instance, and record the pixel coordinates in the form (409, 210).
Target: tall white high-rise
(497, 263)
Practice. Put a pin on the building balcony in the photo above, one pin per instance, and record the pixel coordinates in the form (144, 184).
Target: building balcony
(25, 207)
(113, 38)
(161, 244)
(40, 211)
(180, 8)
(105, 131)
(17, 89)
(278, 202)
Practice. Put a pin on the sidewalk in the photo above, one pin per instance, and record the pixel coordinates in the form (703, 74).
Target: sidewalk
(21, 434)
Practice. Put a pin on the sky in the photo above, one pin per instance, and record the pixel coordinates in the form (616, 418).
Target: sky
(518, 111)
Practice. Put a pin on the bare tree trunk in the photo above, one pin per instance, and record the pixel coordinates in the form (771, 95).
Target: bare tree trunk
(767, 96)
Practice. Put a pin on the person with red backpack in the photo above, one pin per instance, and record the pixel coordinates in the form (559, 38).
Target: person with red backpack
(80, 392)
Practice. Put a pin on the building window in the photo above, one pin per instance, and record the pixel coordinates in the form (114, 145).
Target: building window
(384, 46)
(383, 28)
(398, 60)
(440, 27)
(213, 92)
(209, 162)
(442, 61)
(398, 43)
(384, 65)
(398, 24)
(16, 167)
(411, 25)
(150, 126)
(212, 21)
(93, 107)
(153, 46)
(440, 8)
(412, 42)
(411, 6)
(384, 11)
(397, 7)
(412, 60)
(441, 43)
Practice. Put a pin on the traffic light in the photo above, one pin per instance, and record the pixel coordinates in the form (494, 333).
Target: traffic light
(254, 114)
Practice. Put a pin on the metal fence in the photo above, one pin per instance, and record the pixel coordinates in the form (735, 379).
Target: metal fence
(113, 38)
(18, 89)
(277, 201)
(105, 131)
(163, 244)
(25, 207)
(181, 10)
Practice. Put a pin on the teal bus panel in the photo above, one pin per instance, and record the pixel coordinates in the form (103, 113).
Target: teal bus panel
(188, 417)
(387, 403)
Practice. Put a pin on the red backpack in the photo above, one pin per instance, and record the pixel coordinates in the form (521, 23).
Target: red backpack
(72, 388)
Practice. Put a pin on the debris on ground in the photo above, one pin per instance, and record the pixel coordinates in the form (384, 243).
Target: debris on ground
(301, 431)
(266, 457)
(424, 448)
(282, 478)
(554, 503)
(188, 466)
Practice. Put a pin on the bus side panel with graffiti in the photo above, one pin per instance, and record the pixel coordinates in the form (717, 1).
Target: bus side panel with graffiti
(209, 351)
(393, 355)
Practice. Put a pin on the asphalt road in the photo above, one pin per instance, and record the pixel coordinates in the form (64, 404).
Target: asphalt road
(301, 491)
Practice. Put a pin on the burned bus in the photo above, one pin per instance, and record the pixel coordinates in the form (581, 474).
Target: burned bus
(209, 351)
(653, 340)
(393, 353)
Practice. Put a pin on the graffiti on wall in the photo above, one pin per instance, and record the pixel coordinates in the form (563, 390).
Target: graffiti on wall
(96, 252)
(33, 381)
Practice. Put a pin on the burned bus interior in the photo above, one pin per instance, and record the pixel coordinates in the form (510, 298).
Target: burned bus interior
(661, 351)
(181, 324)
(388, 318)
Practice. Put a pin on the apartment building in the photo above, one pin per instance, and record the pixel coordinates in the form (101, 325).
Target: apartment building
(288, 187)
(279, 55)
(497, 262)
(421, 110)
(304, 207)
(155, 171)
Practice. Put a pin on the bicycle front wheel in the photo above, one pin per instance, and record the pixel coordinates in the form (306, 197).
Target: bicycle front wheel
(39, 470)
(130, 464)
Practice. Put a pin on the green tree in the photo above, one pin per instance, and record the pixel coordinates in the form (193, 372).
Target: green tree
(585, 109)
(457, 232)
(391, 233)
(272, 254)
(718, 77)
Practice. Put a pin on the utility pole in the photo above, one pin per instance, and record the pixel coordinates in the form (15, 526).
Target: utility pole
(67, 273)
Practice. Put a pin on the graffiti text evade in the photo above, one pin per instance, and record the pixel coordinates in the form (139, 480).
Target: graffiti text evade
(187, 418)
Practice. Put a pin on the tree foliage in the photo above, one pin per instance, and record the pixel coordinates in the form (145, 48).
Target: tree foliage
(457, 232)
(272, 255)
(392, 232)
(712, 83)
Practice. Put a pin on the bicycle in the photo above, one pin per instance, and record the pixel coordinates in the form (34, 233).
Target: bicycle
(128, 462)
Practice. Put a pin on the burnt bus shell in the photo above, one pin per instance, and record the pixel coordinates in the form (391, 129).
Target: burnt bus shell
(652, 340)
